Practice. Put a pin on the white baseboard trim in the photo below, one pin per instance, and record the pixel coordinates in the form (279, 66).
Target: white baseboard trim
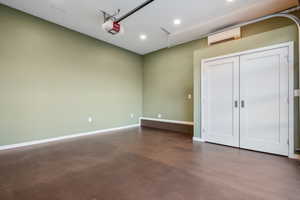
(23, 144)
(197, 139)
(167, 121)
(295, 156)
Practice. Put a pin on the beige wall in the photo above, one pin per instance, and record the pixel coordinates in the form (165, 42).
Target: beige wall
(52, 79)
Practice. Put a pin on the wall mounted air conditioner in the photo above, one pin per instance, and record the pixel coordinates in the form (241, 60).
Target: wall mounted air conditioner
(232, 34)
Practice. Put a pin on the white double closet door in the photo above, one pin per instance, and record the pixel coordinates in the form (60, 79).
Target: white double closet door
(245, 101)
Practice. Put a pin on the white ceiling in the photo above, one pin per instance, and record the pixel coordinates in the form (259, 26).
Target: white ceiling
(198, 17)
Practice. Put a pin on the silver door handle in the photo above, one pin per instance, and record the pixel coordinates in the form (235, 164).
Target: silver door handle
(243, 104)
(236, 104)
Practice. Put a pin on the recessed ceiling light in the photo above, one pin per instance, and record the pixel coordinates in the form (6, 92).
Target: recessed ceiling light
(177, 21)
(230, 0)
(143, 37)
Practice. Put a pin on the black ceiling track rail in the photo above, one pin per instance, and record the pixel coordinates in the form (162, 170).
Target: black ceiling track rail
(134, 11)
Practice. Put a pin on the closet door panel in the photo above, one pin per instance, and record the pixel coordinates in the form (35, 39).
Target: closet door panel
(264, 101)
(220, 90)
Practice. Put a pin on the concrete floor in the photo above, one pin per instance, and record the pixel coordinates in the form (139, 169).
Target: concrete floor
(144, 164)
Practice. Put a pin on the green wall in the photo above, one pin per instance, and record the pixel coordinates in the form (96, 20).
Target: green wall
(168, 73)
(52, 79)
(277, 36)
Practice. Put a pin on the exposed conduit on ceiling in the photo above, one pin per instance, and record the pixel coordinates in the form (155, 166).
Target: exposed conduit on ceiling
(174, 36)
(284, 14)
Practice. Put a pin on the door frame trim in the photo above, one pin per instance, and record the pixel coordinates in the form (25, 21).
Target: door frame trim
(290, 46)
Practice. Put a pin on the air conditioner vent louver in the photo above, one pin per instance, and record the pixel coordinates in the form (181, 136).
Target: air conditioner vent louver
(233, 34)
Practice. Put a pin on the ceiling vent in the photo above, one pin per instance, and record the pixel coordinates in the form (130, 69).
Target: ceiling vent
(232, 34)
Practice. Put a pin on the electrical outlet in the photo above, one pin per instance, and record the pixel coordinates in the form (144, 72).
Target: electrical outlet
(297, 93)
(159, 115)
(131, 115)
(90, 119)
